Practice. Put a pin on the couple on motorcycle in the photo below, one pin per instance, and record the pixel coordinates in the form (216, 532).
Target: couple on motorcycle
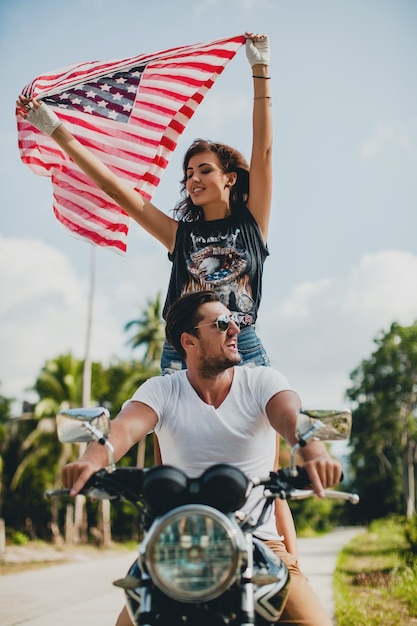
(214, 412)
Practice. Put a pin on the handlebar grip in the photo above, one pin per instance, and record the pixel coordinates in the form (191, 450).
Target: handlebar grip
(300, 481)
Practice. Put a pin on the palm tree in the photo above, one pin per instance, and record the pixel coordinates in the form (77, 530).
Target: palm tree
(42, 456)
(5, 414)
(150, 332)
(60, 381)
(58, 384)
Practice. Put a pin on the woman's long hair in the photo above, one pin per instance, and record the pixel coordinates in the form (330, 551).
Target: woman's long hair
(230, 160)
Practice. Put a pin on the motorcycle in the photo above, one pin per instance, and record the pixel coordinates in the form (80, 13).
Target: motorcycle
(200, 562)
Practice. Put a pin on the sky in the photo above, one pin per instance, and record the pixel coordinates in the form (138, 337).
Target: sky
(343, 234)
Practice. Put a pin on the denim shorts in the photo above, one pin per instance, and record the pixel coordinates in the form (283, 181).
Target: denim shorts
(250, 347)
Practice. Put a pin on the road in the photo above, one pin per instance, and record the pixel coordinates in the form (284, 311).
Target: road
(81, 593)
(318, 558)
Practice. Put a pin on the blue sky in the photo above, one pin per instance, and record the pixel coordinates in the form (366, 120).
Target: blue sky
(343, 263)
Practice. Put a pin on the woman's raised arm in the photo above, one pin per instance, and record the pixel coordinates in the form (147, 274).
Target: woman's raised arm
(154, 221)
(260, 175)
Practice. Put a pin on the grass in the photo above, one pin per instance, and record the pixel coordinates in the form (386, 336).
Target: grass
(375, 580)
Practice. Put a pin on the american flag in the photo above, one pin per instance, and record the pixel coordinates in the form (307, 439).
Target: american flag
(130, 113)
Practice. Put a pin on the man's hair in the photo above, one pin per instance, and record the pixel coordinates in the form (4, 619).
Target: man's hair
(183, 315)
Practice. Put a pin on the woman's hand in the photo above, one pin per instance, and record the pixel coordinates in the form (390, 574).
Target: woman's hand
(257, 49)
(38, 114)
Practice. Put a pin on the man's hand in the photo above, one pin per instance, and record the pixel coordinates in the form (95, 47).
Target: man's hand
(75, 475)
(324, 472)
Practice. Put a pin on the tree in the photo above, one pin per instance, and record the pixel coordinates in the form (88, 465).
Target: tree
(150, 332)
(384, 433)
(5, 414)
(33, 456)
(39, 455)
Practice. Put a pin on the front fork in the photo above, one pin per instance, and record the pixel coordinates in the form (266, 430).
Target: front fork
(146, 617)
(247, 617)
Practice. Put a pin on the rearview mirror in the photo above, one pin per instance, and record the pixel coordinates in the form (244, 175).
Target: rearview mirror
(320, 425)
(85, 424)
(324, 424)
(71, 424)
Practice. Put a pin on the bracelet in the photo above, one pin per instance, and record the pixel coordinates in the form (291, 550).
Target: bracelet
(263, 98)
(264, 77)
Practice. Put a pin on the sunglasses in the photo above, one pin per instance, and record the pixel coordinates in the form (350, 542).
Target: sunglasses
(223, 322)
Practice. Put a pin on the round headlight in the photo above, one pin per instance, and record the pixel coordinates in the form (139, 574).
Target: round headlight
(193, 553)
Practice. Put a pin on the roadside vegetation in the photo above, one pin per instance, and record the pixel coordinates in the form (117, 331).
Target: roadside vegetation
(376, 576)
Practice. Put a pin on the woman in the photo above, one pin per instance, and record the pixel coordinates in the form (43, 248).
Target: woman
(217, 239)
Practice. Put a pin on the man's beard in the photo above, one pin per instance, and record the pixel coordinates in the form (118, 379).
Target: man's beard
(211, 367)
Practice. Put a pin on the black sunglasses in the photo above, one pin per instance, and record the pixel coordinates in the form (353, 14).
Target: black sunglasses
(223, 322)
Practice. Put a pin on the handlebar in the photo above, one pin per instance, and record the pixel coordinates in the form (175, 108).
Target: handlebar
(126, 483)
(303, 494)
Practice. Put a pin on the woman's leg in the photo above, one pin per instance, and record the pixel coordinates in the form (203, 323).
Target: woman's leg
(284, 521)
(303, 607)
(124, 619)
(251, 349)
(170, 360)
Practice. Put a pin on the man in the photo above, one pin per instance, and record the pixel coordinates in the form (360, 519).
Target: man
(214, 412)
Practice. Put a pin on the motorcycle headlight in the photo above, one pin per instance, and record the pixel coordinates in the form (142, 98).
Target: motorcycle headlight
(193, 553)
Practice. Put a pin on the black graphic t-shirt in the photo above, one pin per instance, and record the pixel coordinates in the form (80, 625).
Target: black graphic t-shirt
(225, 255)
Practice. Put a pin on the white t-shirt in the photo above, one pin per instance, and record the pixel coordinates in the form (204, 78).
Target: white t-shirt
(194, 435)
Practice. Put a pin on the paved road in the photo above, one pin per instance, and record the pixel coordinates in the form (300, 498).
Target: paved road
(318, 558)
(71, 594)
(81, 593)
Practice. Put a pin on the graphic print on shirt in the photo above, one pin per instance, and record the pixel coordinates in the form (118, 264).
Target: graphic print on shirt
(217, 263)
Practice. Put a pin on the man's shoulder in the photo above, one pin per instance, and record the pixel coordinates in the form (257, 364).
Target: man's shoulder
(168, 378)
(259, 375)
(257, 371)
(160, 390)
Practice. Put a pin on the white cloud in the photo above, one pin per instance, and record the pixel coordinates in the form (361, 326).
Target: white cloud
(299, 304)
(43, 312)
(325, 328)
(383, 288)
(400, 136)
(44, 303)
(317, 336)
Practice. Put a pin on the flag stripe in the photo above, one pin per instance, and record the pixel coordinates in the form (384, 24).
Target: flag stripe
(130, 114)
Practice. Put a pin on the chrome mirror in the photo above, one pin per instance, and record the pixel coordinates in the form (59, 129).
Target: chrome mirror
(320, 425)
(85, 424)
(71, 424)
(324, 424)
